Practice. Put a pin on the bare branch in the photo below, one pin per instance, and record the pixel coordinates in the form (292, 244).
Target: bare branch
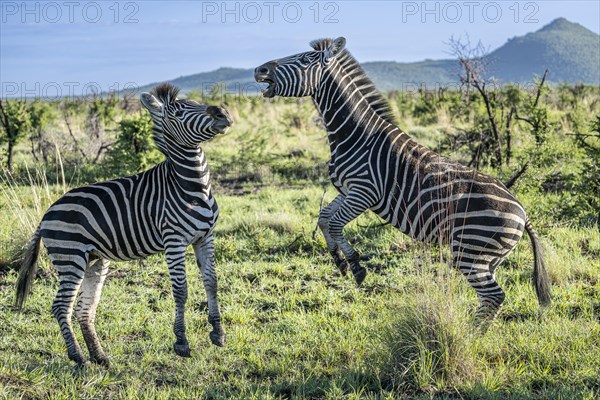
(103, 147)
(474, 62)
(75, 141)
(516, 176)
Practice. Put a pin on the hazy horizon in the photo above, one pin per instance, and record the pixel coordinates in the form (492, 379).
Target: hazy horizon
(68, 45)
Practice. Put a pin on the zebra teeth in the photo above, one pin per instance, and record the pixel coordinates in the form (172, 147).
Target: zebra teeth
(268, 91)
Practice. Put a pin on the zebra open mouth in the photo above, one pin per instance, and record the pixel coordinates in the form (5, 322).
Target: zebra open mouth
(220, 130)
(221, 119)
(269, 91)
(221, 126)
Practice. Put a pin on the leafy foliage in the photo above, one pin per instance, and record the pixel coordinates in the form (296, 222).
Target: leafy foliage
(15, 122)
(134, 150)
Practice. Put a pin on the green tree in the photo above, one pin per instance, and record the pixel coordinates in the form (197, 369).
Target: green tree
(15, 123)
(101, 114)
(41, 115)
(134, 149)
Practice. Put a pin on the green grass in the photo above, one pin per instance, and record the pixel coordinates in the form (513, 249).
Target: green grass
(296, 329)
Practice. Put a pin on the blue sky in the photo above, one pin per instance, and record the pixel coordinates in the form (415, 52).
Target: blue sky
(62, 46)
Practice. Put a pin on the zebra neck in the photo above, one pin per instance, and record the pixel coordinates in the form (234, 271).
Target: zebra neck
(347, 114)
(189, 170)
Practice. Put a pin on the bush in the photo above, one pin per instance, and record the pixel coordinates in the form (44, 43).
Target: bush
(562, 183)
(134, 150)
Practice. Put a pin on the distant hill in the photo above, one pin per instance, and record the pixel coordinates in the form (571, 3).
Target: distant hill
(391, 75)
(569, 50)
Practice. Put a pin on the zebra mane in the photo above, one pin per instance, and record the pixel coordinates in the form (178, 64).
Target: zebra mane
(365, 85)
(166, 92)
(321, 44)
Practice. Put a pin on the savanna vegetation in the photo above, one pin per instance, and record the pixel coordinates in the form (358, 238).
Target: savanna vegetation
(295, 328)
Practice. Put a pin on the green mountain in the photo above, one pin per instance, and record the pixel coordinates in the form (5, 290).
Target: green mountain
(570, 51)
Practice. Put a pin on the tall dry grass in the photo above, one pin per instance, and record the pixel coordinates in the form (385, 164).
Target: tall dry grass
(25, 199)
(430, 346)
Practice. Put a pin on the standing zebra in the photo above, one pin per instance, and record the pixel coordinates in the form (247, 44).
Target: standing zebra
(374, 165)
(165, 208)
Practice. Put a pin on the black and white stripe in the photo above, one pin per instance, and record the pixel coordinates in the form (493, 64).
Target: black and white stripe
(163, 209)
(376, 166)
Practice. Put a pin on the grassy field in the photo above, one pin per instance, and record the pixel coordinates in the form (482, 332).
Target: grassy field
(296, 328)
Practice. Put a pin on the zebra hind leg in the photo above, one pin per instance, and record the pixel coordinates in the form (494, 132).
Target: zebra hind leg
(490, 294)
(205, 255)
(85, 310)
(70, 275)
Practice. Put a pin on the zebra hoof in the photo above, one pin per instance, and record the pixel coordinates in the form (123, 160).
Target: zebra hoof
(101, 360)
(83, 364)
(79, 360)
(343, 266)
(182, 350)
(217, 338)
(360, 274)
(341, 263)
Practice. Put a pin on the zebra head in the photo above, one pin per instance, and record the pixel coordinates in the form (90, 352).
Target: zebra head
(185, 122)
(299, 75)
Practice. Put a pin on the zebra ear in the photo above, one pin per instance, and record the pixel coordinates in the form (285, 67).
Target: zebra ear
(335, 48)
(151, 103)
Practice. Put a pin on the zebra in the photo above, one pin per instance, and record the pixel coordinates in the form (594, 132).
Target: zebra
(375, 165)
(163, 209)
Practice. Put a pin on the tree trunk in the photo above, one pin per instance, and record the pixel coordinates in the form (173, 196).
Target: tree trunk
(509, 136)
(9, 160)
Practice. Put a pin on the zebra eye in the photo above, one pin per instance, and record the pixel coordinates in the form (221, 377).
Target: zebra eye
(179, 113)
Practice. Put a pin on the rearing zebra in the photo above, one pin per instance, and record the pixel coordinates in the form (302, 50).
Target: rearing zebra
(165, 208)
(374, 165)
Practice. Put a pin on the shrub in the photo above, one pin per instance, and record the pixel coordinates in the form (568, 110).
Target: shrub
(134, 150)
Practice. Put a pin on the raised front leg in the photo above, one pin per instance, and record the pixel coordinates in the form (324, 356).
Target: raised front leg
(85, 310)
(176, 261)
(205, 256)
(324, 217)
(351, 207)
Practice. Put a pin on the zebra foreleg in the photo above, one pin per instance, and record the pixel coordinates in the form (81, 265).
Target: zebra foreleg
(71, 270)
(205, 256)
(324, 217)
(85, 311)
(351, 207)
(176, 261)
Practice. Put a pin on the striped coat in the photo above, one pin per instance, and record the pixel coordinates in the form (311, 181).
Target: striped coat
(375, 166)
(163, 209)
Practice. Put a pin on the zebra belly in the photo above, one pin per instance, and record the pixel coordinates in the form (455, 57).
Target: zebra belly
(64, 239)
(103, 220)
(459, 217)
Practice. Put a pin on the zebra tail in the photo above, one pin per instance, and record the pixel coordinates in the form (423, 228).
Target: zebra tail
(28, 269)
(540, 276)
